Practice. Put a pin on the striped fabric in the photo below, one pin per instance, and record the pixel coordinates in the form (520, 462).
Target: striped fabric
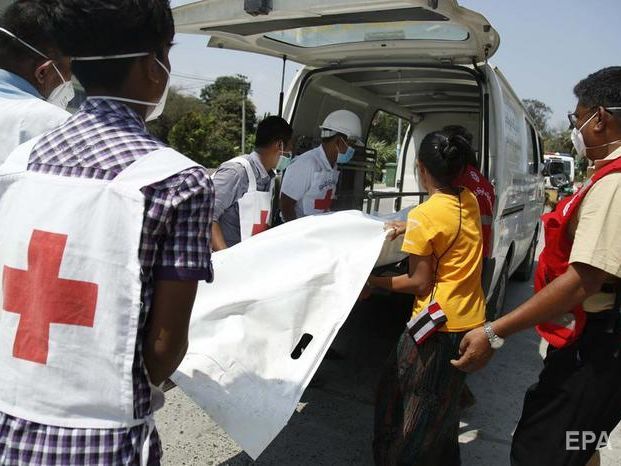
(417, 406)
(99, 141)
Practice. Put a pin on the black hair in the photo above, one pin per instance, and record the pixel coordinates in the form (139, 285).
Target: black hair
(602, 88)
(273, 129)
(30, 21)
(458, 130)
(444, 156)
(87, 28)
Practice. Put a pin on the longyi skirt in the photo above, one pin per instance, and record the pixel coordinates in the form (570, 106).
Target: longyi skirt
(417, 407)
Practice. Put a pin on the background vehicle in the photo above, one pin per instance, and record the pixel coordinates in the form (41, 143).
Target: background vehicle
(423, 61)
(559, 173)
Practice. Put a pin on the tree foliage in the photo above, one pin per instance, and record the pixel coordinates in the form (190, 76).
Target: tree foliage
(224, 103)
(383, 138)
(177, 106)
(559, 141)
(540, 113)
(208, 129)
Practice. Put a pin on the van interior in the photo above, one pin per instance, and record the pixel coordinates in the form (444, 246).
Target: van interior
(424, 98)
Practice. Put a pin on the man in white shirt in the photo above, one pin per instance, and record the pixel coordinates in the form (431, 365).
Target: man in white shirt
(309, 184)
(35, 77)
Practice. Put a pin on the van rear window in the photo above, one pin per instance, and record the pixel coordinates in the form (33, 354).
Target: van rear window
(372, 32)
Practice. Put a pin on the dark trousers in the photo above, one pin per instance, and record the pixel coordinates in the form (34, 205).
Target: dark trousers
(577, 401)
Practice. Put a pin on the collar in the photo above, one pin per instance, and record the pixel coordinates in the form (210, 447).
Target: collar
(255, 158)
(612, 157)
(112, 109)
(14, 86)
(323, 158)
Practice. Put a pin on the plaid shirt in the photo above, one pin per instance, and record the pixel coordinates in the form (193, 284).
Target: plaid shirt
(99, 141)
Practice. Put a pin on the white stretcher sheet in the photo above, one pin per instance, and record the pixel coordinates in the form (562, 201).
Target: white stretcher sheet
(301, 278)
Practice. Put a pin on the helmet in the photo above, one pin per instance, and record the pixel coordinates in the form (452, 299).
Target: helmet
(343, 122)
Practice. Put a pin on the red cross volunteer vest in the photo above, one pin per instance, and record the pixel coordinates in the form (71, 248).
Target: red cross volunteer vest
(554, 260)
(71, 289)
(255, 207)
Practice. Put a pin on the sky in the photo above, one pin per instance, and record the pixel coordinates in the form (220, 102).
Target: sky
(547, 46)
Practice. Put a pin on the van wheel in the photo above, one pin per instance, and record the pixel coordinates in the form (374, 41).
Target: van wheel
(525, 270)
(497, 303)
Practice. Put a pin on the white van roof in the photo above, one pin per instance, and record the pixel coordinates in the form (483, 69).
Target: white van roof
(327, 32)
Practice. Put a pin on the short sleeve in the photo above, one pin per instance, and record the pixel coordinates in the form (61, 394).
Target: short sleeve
(185, 250)
(226, 182)
(296, 181)
(597, 241)
(419, 234)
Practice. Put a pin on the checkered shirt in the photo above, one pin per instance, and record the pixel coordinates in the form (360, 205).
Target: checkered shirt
(99, 141)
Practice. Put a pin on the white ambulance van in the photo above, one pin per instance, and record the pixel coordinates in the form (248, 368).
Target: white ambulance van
(424, 61)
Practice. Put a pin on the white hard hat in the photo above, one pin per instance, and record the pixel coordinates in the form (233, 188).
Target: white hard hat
(343, 122)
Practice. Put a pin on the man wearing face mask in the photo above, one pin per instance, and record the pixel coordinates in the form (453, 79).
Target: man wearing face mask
(109, 237)
(35, 77)
(577, 307)
(245, 185)
(309, 184)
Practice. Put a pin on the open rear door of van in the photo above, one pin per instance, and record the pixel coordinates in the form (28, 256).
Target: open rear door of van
(329, 32)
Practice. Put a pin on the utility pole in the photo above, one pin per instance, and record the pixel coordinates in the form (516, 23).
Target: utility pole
(243, 129)
(245, 91)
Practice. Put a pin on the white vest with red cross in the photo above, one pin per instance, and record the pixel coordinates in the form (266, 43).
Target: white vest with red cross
(554, 260)
(71, 289)
(319, 198)
(255, 207)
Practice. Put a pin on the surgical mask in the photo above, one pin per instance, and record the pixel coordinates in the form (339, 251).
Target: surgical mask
(578, 139)
(284, 161)
(155, 108)
(62, 94)
(346, 157)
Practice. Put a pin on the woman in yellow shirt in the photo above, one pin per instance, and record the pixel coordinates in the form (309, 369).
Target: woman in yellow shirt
(417, 409)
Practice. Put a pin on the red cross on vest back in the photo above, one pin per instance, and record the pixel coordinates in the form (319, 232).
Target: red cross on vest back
(41, 298)
(326, 203)
(261, 227)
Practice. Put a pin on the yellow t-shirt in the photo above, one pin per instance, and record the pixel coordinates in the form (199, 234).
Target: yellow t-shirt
(431, 228)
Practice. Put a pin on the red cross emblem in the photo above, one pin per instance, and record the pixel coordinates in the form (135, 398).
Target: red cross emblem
(263, 226)
(41, 298)
(326, 203)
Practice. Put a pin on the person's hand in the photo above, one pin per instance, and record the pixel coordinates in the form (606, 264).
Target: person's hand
(474, 350)
(396, 229)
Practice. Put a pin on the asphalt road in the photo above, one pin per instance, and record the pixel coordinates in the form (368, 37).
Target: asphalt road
(333, 425)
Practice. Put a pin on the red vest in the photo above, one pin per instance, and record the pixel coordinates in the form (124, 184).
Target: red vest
(554, 260)
(483, 190)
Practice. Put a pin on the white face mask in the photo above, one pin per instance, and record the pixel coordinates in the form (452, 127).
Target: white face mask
(155, 108)
(62, 94)
(578, 139)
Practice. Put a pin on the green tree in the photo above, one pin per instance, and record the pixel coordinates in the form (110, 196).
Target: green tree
(224, 103)
(385, 127)
(540, 113)
(386, 153)
(559, 141)
(177, 106)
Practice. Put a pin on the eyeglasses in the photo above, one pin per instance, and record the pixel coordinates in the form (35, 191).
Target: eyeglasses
(573, 117)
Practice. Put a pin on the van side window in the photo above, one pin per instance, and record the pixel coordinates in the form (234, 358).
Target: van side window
(532, 150)
(386, 136)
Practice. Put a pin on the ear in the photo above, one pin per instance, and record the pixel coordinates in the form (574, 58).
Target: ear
(41, 71)
(603, 118)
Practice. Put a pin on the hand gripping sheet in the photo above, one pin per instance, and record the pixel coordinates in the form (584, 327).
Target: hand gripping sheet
(301, 278)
